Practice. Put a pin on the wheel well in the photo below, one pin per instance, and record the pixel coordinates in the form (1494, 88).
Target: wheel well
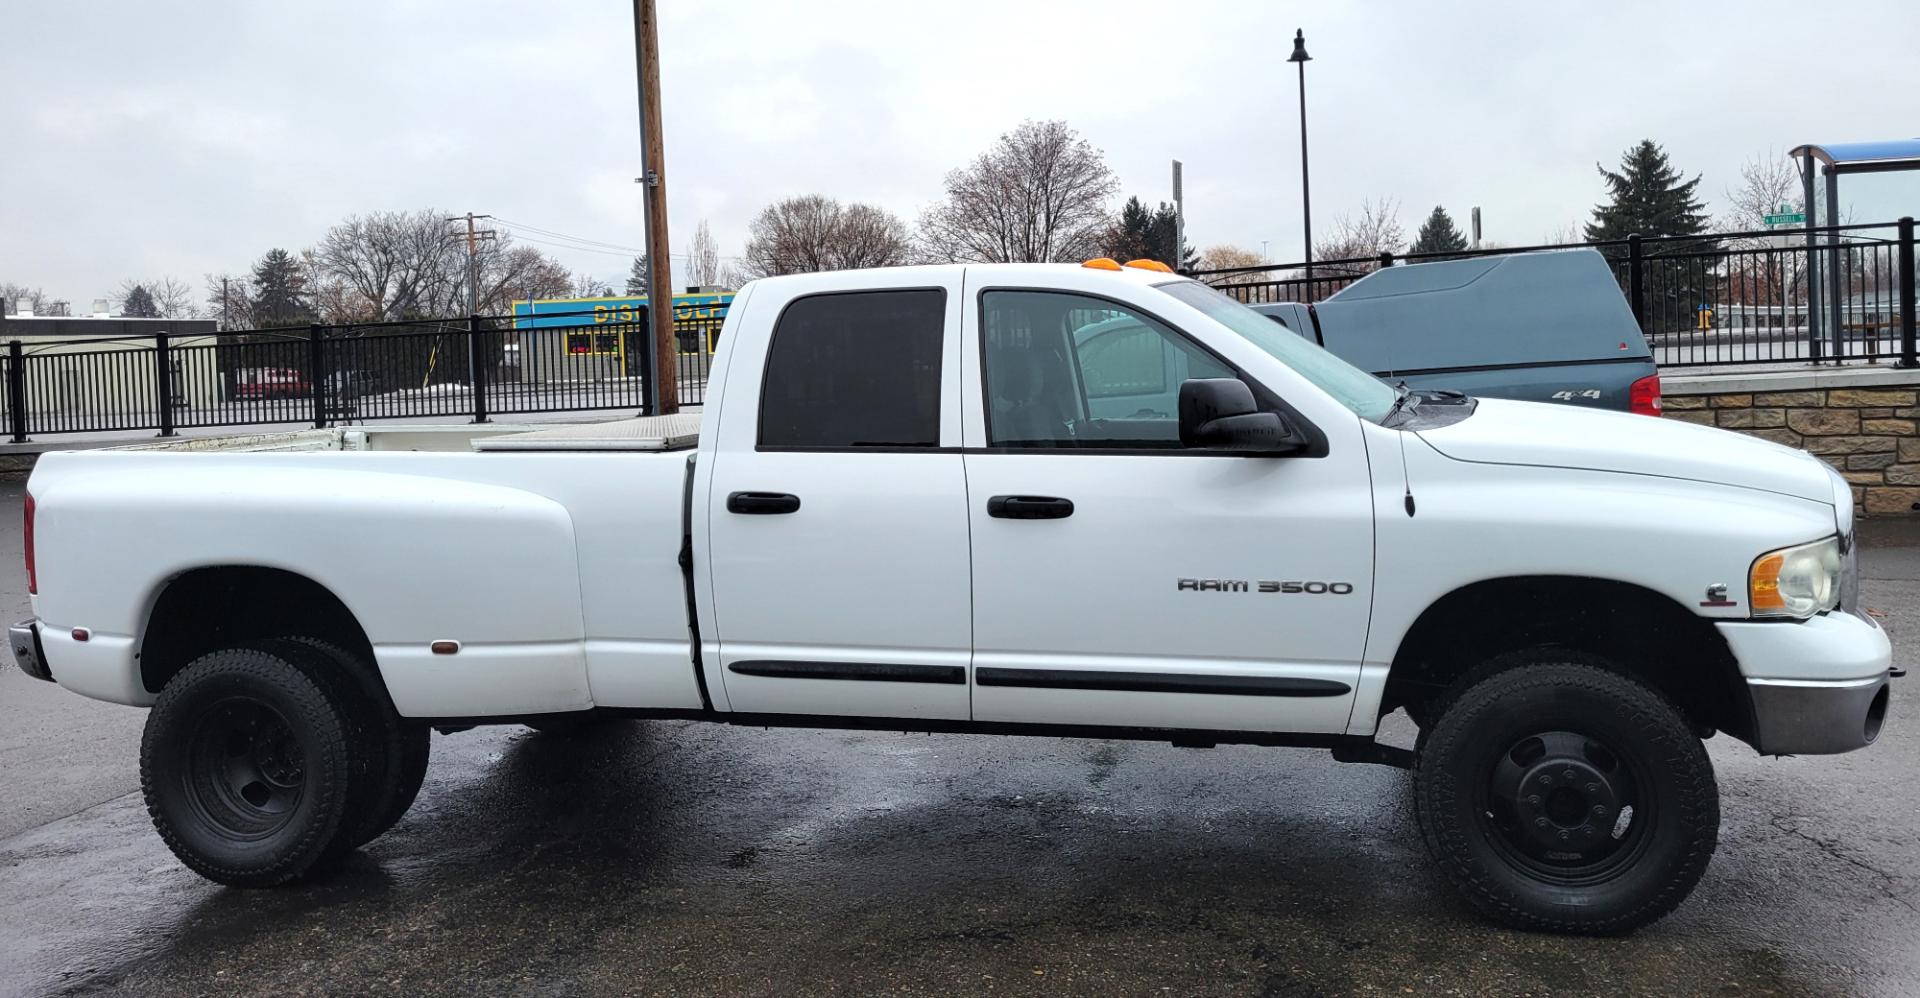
(208, 609)
(1640, 632)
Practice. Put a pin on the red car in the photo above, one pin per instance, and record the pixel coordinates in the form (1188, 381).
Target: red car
(270, 383)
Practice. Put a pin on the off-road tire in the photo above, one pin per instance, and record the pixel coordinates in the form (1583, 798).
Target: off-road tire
(245, 765)
(1481, 737)
(395, 749)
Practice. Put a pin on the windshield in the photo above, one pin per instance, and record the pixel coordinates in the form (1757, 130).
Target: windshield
(1366, 395)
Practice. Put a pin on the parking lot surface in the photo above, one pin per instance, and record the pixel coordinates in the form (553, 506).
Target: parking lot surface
(682, 858)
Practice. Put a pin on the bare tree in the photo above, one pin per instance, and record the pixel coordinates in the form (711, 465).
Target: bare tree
(395, 263)
(703, 264)
(1571, 234)
(1374, 231)
(1767, 181)
(518, 273)
(1039, 194)
(174, 298)
(586, 285)
(229, 300)
(16, 295)
(813, 232)
(1229, 257)
(164, 298)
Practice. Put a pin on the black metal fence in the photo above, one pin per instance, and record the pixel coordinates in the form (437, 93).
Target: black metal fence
(476, 367)
(1828, 294)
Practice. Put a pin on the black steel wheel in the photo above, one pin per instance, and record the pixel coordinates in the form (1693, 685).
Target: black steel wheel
(1560, 795)
(393, 751)
(246, 768)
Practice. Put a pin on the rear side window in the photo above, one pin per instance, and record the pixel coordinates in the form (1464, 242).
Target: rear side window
(855, 370)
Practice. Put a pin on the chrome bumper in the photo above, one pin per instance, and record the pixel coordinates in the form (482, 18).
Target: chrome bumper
(27, 654)
(1808, 718)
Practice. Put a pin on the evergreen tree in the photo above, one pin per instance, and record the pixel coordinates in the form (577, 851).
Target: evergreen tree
(279, 291)
(1148, 234)
(138, 304)
(637, 277)
(1160, 240)
(1647, 197)
(1437, 235)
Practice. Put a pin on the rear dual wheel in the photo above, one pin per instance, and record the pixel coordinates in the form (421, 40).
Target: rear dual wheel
(1562, 796)
(257, 763)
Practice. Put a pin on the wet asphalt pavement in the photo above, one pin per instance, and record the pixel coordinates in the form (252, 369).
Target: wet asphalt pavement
(688, 859)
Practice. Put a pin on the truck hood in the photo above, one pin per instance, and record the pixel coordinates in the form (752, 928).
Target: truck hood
(1558, 436)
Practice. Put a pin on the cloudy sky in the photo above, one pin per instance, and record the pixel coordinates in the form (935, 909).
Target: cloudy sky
(143, 139)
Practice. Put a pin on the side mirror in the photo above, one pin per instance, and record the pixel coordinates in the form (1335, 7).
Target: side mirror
(1220, 414)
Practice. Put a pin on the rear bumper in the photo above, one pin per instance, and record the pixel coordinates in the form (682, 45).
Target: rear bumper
(27, 653)
(1818, 686)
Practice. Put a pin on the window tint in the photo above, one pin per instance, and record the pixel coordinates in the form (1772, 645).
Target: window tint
(855, 370)
(1065, 370)
(1126, 359)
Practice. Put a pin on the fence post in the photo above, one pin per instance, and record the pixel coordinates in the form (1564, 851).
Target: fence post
(163, 380)
(1907, 358)
(648, 361)
(1386, 259)
(17, 390)
(1637, 281)
(477, 367)
(317, 379)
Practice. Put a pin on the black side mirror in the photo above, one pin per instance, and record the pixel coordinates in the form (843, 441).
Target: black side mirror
(1220, 414)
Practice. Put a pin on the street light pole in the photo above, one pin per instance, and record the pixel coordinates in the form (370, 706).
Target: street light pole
(1301, 58)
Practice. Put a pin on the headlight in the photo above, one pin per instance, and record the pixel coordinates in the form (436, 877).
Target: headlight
(1796, 582)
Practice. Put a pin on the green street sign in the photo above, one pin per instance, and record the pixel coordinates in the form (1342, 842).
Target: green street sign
(1790, 218)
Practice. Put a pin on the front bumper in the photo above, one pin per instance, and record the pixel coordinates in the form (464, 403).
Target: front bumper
(1818, 686)
(1817, 718)
(27, 653)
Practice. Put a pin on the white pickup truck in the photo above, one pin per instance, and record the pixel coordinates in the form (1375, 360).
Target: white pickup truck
(1094, 501)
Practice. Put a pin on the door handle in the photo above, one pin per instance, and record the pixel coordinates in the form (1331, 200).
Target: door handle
(1029, 507)
(762, 502)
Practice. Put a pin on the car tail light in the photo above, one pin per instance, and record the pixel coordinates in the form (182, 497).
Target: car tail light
(33, 581)
(1644, 396)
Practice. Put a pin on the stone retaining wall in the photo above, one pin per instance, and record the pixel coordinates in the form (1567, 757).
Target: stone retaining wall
(1870, 435)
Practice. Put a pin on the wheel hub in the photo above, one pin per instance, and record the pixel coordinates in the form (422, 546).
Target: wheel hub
(247, 768)
(1563, 804)
(1566, 804)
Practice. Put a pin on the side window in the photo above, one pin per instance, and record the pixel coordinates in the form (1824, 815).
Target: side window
(855, 370)
(1064, 370)
(1126, 358)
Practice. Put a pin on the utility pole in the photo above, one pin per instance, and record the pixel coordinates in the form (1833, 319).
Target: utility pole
(474, 238)
(1179, 223)
(663, 389)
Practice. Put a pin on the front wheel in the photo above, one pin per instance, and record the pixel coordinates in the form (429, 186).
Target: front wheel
(246, 767)
(1560, 796)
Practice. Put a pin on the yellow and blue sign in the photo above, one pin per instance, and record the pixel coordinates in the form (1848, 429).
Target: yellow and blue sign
(551, 312)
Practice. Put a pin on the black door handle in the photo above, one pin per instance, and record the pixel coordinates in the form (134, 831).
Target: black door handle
(1029, 507)
(762, 502)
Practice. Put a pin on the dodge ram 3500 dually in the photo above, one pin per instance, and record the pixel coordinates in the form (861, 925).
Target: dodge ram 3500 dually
(1099, 501)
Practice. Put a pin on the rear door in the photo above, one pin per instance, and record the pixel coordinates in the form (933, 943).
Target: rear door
(837, 512)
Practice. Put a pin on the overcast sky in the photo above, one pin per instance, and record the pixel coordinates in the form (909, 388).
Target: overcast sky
(144, 139)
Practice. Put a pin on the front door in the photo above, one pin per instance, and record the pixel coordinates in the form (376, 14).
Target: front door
(838, 520)
(1120, 580)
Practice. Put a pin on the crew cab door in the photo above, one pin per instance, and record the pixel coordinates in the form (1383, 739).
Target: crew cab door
(837, 510)
(1121, 580)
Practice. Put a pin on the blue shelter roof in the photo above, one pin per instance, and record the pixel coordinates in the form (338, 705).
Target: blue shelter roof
(1864, 157)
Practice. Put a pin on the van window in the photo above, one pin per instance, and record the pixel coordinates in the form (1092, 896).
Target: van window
(855, 370)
